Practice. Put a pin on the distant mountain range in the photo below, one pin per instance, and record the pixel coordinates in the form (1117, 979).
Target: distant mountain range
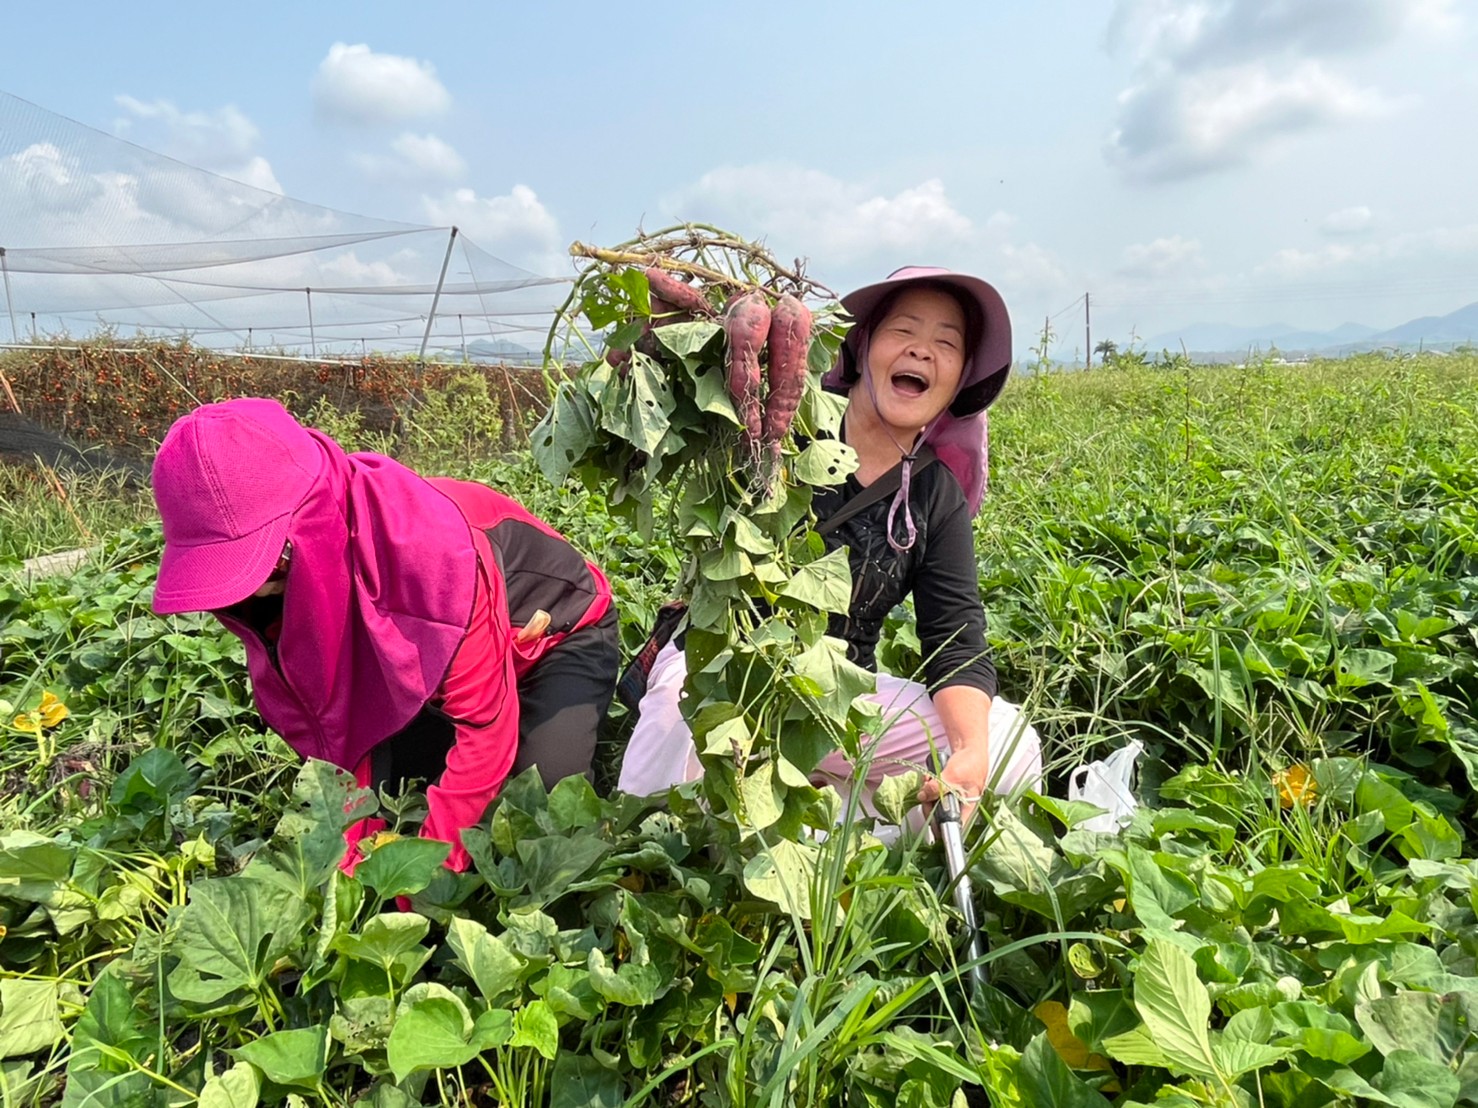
(1431, 332)
(502, 352)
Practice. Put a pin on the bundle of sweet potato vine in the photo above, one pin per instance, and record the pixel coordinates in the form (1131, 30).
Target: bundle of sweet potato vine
(697, 404)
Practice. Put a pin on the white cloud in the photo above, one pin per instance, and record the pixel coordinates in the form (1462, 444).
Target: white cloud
(347, 268)
(1181, 125)
(223, 141)
(1347, 221)
(429, 155)
(837, 220)
(1411, 254)
(516, 226)
(1161, 258)
(1029, 269)
(415, 158)
(1216, 83)
(356, 85)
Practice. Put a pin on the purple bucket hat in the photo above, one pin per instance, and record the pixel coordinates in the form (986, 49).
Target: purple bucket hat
(987, 364)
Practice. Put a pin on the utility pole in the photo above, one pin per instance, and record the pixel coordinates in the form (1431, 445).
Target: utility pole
(1087, 332)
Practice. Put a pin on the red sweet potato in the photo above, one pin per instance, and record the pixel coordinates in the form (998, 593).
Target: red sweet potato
(790, 343)
(746, 326)
(679, 294)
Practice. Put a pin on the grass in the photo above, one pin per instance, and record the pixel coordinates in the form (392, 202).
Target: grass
(1160, 546)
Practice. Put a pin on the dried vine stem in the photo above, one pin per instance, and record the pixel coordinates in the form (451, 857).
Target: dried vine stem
(693, 250)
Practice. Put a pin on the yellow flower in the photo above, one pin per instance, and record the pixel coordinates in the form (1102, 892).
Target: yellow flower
(47, 715)
(1069, 1047)
(1296, 785)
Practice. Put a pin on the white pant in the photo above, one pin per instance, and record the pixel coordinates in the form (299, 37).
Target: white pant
(661, 752)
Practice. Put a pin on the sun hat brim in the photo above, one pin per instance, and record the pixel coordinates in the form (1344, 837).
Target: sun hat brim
(216, 575)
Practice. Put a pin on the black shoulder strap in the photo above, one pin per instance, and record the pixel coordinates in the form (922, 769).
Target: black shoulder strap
(884, 487)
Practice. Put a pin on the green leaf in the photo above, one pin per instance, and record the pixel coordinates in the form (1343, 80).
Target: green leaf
(579, 1081)
(1436, 1028)
(839, 680)
(821, 412)
(296, 1058)
(1046, 1082)
(573, 805)
(534, 1026)
(825, 462)
(403, 866)
(231, 935)
(1135, 1048)
(632, 985)
(711, 393)
(757, 789)
(1175, 1007)
(1318, 1032)
(308, 843)
(362, 1023)
(784, 872)
(1156, 892)
(1235, 1057)
(238, 1087)
(1359, 668)
(385, 937)
(687, 339)
(494, 969)
(553, 863)
(825, 584)
(725, 563)
(897, 793)
(433, 1030)
(649, 405)
(564, 435)
(153, 781)
(727, 738)
(747, 535)
(30, 1020)
(111, 1040)
(1410, 1081)
(33, 867)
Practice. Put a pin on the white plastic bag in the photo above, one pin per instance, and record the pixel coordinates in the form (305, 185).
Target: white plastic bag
(1108, 784)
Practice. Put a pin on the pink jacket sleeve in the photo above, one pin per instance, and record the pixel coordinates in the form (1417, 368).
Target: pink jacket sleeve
(480, 697)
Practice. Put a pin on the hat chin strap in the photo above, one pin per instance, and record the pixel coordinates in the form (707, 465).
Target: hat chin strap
(909, 456)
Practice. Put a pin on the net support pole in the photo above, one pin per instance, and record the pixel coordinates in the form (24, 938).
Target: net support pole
(15, 335)
(436, 298)
(312, 338)
(462, 330)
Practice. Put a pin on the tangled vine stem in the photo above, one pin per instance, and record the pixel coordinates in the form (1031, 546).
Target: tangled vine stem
(694, 250)
(664, 247)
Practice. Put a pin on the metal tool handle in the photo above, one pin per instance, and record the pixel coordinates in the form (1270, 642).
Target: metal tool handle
(947, 820)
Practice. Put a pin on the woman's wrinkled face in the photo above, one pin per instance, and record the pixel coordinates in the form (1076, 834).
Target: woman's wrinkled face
(915, 355)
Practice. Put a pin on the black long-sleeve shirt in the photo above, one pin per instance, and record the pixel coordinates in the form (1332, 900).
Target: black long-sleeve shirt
(939, 570)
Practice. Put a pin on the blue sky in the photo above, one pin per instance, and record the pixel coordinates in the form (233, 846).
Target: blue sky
(1236, 161)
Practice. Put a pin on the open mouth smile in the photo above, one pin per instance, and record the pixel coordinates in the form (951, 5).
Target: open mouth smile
(910, 384)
